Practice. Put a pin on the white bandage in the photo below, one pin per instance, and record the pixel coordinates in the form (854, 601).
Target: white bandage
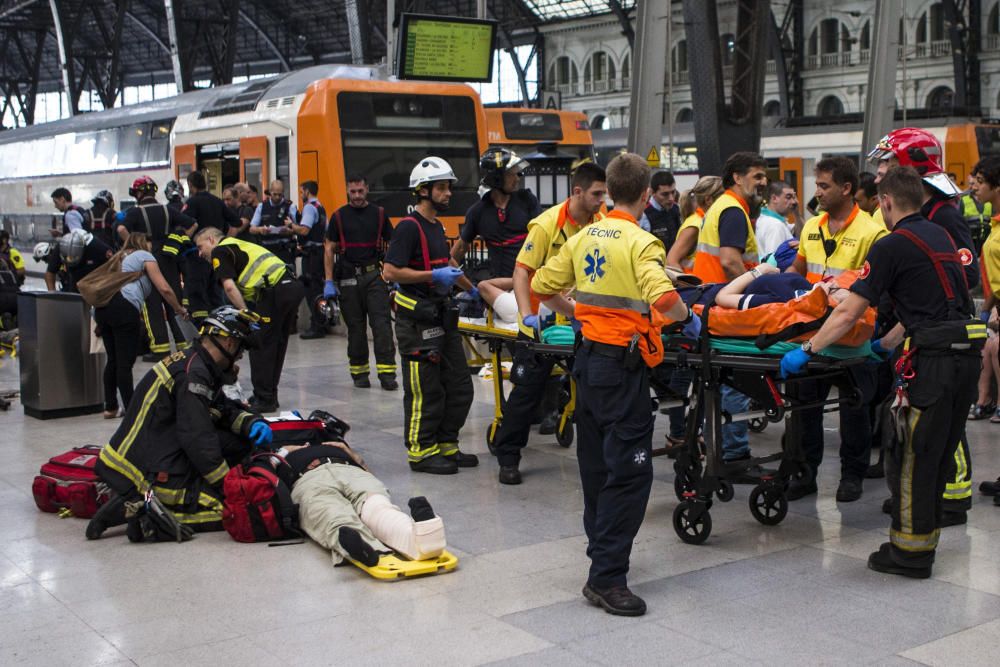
(419, 540)
(505, 308)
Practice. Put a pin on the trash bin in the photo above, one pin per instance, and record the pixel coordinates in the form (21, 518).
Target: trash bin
(60, 377)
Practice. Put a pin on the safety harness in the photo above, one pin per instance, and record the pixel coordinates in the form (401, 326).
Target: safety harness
(364, 244)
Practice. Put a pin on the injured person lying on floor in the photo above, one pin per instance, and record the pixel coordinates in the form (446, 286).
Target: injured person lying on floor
(347, 510)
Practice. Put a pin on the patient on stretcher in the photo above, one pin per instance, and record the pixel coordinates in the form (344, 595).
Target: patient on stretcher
(770, 286)
(347, 510)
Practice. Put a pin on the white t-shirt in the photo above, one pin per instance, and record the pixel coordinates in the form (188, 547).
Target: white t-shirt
(771, 232)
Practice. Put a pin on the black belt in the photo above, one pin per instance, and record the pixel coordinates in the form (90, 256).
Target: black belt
(616, 352)
(364, 270)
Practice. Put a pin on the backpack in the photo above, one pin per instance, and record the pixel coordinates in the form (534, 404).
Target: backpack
(100, 285)
(258, 503)
(68, 482)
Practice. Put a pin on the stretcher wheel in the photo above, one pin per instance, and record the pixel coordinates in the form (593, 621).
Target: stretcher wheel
(693, 524)
(757, 425)
(564, 436)
(768, 504)
(726, 491)
(491, 436)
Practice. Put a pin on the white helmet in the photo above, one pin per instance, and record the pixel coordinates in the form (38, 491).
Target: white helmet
(71, 246)
(430, 170)
(41, 251)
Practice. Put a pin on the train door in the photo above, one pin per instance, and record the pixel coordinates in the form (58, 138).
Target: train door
(221, 165)
(253, 162)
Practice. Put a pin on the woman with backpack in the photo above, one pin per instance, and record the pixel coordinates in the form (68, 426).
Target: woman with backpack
(119, 321)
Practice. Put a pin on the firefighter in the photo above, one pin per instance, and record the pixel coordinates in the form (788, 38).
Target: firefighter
(311, 231)
(270, 225)
(73, 258)
(102, 218)
(168, 230)
(623, 297)
(727, 248)
(437, 388)
(174, 194)
(352, 261)
(921, 150)
(502, 215)
(179, 437)
(530, 373)
(918, 267)
(252, 277)
(835, 241)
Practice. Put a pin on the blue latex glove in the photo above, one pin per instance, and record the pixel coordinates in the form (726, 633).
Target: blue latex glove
(120, 216)
(879, 350)
(793, 362)
(329, 289)
(473, 294)
(693, 328)
(260, 433)
(985, 316)
(446, 275)
(530, 321)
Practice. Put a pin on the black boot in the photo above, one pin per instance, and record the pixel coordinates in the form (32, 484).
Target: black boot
(617, 600)
(881, 561)
(361, 381)
(463, 460)
(356, 547)
(435, 465)
(111, 513)
(510, 475)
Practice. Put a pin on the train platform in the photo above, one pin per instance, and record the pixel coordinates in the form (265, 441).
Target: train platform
(798, 593)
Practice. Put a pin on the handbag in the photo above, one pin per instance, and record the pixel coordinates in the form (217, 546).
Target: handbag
(100, 285)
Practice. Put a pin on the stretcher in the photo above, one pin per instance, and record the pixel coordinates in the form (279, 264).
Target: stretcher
(391, 566)
(500, 339)
(752, 369)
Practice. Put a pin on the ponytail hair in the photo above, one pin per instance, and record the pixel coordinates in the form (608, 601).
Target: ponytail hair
(706, 190)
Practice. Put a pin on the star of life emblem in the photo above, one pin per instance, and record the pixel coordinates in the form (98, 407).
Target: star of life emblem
(639, 457)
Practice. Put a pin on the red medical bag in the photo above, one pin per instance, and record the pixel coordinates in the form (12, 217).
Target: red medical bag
(68, 481)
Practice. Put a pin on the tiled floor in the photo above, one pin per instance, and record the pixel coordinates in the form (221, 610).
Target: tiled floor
(797, 593)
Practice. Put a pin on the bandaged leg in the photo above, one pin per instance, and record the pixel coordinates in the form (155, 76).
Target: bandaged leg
(417, 540)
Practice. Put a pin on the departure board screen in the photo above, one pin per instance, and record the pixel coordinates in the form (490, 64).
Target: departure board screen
(445, 48)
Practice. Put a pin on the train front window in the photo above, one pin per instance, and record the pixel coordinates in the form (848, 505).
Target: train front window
(385, 135)
(532, 126)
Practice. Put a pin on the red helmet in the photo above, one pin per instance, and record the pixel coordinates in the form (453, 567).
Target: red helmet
(143, 186)
(913, 147)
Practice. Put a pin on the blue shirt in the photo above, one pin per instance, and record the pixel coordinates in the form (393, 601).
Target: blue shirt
(310, 215)
(774, 288)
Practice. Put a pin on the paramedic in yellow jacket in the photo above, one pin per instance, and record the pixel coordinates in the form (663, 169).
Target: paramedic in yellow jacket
(623, 297)
(530, 373)
(832, 242)
(727, 247)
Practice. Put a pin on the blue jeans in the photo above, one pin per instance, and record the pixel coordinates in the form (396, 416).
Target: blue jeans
(735, 436)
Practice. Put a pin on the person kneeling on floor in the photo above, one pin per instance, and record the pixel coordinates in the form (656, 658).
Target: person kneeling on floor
(180, 434)
(347, 510)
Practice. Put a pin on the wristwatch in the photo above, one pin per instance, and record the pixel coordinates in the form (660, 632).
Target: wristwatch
(807, 347)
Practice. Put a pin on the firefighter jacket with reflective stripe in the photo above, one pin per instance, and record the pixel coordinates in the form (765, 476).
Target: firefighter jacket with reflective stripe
(617, 270)
(707, 265)
(263, 268)
(168, 436)
(848, 247)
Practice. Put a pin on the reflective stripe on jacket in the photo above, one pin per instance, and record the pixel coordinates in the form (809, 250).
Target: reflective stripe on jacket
(263, 268)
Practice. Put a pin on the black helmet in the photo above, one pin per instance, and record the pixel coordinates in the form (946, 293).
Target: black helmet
(227, 321)
(105, 197)
(495, 162)
(172, 189)
(327, 310)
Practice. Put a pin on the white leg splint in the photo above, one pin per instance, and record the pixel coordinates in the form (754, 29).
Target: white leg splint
(417, 540)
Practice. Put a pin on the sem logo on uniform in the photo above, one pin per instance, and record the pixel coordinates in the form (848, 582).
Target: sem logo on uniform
(594, 265)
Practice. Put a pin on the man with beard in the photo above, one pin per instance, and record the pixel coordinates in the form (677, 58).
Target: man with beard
(727, 248)
(437, 389)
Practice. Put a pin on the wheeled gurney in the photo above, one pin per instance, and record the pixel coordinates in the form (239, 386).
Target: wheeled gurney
(500, 341)
(752, 369)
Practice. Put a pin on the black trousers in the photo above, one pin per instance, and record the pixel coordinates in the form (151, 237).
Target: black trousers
(120, 331)
(362, 304)
(201, 292)
(614, 451)
(279, 306)
(437, 387)
(928, 434)
(312, 277)
(529, 376)
(157, 316)
(855, 423)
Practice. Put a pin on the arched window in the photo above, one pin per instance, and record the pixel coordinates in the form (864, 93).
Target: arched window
(772, 109)
(827, 41)
(598, 73)
(685, 115)
(679, 57)
(814, 42)
(564, 75)
(626, 70)
(865, 41)
(830, 106)
(600, 122)
(993, 21)
(941, 97)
